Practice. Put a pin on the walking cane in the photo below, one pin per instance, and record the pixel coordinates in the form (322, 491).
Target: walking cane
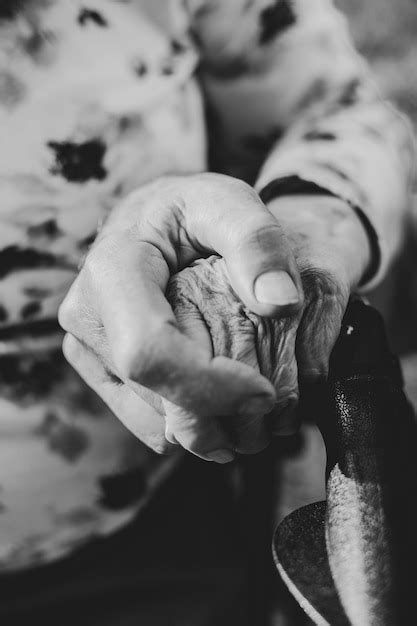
(352, 559)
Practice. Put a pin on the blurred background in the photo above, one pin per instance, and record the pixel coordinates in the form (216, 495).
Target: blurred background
(385, 32)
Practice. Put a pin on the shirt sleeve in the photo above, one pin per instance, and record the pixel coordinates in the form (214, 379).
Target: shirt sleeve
(288, 97)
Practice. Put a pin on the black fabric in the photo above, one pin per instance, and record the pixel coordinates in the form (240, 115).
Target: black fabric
(295, 186)
(291, 186)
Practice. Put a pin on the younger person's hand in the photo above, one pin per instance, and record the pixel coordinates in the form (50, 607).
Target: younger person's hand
(124, 339)
(332, 252)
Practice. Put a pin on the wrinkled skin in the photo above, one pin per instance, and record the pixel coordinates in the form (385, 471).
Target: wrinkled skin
(209, 311)
(219, 372)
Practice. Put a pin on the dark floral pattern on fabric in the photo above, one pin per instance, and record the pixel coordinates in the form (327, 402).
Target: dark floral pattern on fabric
(87, 15)
(66, 462)
(79, 162)
(25, 378)
(14, 258)
(64, 438)
(275, 19)
(318, 135)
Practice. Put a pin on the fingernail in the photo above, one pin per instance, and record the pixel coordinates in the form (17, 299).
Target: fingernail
(276, 288)
(256, 407)
(221, 456)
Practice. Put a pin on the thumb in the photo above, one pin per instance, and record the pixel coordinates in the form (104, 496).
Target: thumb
(232, 221)
(262, 269)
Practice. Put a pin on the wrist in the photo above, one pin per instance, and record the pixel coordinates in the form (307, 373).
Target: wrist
(326, 234)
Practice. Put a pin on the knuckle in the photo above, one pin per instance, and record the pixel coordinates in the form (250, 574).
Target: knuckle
(68, 313)
(190, 288)
(76, 313)
(73, 309)
(203, 291)
(242, 187)
(320, 286)
(324, 297)
(181, 288)
(138, 360)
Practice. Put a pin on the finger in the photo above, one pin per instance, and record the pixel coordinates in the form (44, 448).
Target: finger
(237, 340)
(146, 345)
(191, 323)
(203, 437)
(202, 299)
(266, 345)
(284, 417)
(320, 325)
(230, 219)
(145, 422)
(318, 332)
(275, 347)
(211, 438)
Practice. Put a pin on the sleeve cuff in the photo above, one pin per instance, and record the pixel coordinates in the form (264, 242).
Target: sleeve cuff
(295, 185)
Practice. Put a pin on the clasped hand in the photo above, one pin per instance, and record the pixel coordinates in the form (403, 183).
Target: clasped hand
(198, 310)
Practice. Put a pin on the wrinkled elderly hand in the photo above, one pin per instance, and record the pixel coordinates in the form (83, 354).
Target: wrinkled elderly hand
(207, 375)
(210, 313)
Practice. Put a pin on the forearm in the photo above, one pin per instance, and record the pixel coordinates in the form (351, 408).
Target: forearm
(364, 157)
(326, 235)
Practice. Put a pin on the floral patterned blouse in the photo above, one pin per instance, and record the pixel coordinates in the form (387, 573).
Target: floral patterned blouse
(98, 97)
